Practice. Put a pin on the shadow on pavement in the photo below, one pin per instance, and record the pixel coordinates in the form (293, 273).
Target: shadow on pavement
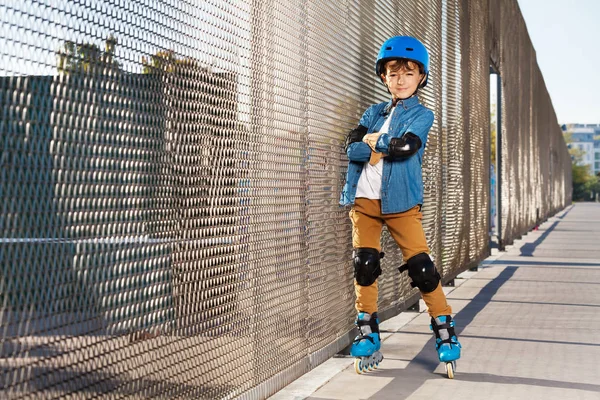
(413, 376)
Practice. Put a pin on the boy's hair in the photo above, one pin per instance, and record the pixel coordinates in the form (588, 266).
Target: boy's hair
(402, 63)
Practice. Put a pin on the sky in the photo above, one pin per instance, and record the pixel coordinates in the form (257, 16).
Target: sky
(566, 38)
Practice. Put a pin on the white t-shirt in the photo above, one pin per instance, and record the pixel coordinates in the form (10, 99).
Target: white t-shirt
(369, 183)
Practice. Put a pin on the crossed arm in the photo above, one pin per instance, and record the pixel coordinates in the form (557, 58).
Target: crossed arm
(359, 147)
(360, 144)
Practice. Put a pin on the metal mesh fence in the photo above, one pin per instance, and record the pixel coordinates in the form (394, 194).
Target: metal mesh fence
(536, 171)
(170, 176)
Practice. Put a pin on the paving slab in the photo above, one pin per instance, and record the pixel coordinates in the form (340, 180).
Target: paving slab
(527, 320)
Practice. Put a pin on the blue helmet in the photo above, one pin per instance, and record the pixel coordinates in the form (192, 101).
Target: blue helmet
(403, 47)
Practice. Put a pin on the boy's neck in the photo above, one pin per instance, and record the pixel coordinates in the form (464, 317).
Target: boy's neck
(399, 100)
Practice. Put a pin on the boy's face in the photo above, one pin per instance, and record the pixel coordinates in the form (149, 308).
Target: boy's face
(402, 82)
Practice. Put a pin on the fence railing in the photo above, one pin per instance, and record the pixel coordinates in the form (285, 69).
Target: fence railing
(171, 173)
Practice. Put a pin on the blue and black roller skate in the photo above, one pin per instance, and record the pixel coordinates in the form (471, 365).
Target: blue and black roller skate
(367, 344)
(446, 342)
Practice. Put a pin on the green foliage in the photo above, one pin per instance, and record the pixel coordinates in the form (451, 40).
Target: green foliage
(493, 135)
(167, 61)
(162, 61)
(87, 58)
(585, 183)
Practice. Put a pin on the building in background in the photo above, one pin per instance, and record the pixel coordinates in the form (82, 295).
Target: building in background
(586, 137)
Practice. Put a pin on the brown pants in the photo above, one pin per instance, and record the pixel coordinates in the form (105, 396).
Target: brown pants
(407, 231)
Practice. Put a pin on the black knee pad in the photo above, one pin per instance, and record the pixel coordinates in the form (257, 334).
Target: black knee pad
(366, 266)
(423, 273)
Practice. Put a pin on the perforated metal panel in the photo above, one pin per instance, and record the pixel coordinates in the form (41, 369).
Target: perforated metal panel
(536, 171)
(170, 176)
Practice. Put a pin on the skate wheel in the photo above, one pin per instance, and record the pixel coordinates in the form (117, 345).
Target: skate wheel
(358, 367)
(450, 367)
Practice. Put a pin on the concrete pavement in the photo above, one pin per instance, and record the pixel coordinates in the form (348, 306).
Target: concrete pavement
(528, 320)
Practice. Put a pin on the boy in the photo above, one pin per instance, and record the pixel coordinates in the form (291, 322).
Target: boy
(384, 185)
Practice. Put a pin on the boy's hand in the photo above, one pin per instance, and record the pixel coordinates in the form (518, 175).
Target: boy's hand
(375, 157)
(371, 139)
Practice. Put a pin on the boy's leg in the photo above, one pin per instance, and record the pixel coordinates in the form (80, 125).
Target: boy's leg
(366, 234)
(407, 230)
(436, 302)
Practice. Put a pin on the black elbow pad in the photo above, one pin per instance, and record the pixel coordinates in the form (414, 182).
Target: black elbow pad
(356, 135)
(404, 146)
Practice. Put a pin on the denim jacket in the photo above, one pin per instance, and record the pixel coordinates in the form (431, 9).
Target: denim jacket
(402, 180)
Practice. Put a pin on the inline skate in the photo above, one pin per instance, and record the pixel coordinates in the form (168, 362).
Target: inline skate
(367, 343)
(446, 342)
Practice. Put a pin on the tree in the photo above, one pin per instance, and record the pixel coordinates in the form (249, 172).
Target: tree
(87, 58)
(166, 61)
(493, 135)
(162, 61)
(585, 183)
